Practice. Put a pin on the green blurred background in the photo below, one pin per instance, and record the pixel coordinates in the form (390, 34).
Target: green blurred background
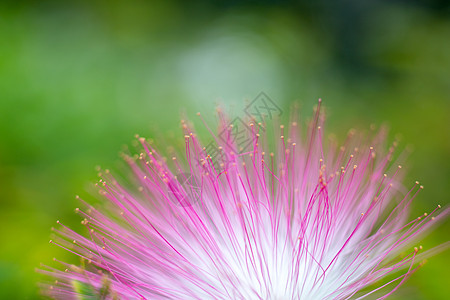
(78, 80)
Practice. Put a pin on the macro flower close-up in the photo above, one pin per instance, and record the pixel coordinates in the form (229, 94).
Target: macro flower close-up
(267, 150)
(311, 220)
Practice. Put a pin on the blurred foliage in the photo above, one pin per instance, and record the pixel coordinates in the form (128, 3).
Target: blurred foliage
(78, 80)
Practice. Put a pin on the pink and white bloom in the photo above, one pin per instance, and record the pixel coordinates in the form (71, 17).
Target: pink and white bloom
(309, 220)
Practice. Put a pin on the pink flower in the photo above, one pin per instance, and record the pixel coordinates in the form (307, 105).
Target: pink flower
(309, 221)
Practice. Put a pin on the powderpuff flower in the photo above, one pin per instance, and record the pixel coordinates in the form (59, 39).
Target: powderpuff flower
(301, 218)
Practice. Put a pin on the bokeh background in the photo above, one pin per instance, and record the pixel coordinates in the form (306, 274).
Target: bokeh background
(78, 80)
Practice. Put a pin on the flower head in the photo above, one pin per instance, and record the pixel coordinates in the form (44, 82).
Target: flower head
(310, 220)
